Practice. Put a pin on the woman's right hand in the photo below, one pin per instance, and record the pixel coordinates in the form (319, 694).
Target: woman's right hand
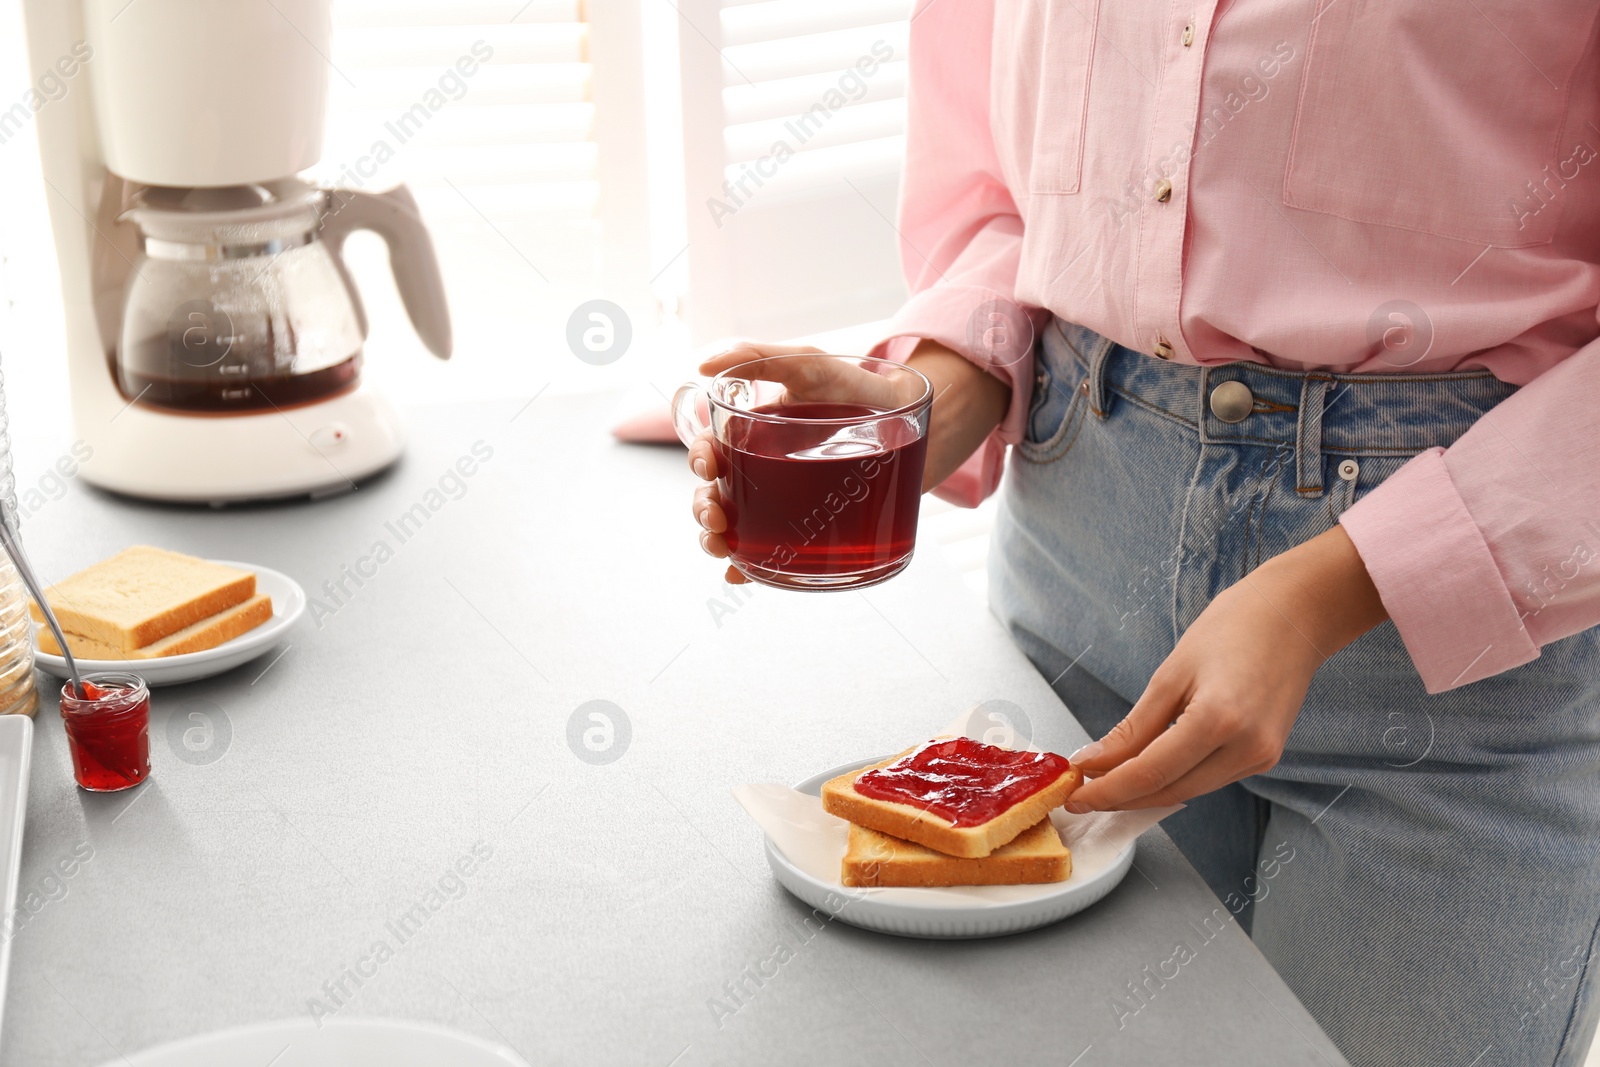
(968, 403)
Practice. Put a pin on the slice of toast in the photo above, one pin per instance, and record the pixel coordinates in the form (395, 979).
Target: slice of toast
(1034, 856)
(912, 823)
(143, 594)
(209, 632)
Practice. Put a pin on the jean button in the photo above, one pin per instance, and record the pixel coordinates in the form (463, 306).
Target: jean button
(1349, 470)
(1232, 401)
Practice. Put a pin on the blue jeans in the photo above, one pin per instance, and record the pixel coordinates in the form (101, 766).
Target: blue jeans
(1423, 871)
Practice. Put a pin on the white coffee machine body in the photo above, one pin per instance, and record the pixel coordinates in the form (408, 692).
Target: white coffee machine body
(201, 94)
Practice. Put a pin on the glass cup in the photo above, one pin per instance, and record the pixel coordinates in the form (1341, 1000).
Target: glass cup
(108, 730)
(819, 464)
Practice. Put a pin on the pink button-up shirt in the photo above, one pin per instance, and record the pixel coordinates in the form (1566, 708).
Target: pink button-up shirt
(1355, 187)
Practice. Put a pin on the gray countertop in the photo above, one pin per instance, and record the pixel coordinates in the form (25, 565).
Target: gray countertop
(419, 726)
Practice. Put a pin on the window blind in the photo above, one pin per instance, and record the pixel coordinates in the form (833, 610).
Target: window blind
(513, 140)
(519, 126)
(826, 79)
(794, 132)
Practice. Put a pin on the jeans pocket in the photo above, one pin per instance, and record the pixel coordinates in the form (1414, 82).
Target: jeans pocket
(1056, 413)
(1349, 478)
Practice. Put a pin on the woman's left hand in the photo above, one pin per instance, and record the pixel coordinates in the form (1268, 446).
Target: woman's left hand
(1221, 706)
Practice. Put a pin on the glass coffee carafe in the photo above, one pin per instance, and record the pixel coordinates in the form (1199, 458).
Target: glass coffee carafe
(240, 301)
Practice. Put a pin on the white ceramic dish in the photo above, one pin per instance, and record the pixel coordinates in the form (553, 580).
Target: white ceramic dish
(948, 913)
(335, 1043)
(16, 755)
(288, 604)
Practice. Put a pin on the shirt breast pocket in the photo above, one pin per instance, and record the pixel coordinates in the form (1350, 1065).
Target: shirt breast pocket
(1039, 123)
(1439, 117)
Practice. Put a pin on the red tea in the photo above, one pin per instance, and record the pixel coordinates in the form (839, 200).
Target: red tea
(813, 499)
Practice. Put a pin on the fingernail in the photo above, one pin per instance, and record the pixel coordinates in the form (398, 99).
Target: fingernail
(700, 470)
(1077, 808)
(704, 513)
(1087, 752)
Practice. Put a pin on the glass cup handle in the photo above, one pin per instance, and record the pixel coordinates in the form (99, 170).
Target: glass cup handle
(686, 412)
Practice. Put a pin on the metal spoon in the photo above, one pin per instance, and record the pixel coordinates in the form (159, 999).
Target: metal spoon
(13, 545)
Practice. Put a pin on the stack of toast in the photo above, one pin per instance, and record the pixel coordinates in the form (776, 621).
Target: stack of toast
(954, 812)
(147, 602)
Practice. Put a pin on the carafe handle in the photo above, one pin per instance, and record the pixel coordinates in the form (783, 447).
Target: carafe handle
(393, 215)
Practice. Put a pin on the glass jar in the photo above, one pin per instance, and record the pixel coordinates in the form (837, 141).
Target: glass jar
(108, 730)
(17, 692)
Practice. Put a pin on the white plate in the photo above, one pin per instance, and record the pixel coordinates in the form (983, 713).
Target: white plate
(16, 754)
(946, 913)
(335, 1043)
(288, 604)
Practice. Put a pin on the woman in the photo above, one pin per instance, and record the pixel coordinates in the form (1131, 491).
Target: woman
(1302, 517)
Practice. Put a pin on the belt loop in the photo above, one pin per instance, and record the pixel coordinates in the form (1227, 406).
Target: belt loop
(1099, 392)
(1308, 435)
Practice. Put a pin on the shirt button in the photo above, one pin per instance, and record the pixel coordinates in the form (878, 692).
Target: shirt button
(1163, 350)
(1188, 35)
(1349, 470)
(1163, 191)
(1232, 401)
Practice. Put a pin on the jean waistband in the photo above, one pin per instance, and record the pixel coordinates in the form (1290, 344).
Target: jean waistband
(1315, 413)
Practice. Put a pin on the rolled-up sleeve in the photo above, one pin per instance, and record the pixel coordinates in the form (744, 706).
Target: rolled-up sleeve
(960, 231)
(1488, 550)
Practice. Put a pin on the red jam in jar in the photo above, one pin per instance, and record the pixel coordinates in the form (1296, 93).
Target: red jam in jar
(961, 780)
(108, 730)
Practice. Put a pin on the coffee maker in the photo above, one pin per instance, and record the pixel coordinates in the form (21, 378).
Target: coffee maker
(214, 335)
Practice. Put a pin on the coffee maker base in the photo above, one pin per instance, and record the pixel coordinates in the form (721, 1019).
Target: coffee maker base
(315, 450)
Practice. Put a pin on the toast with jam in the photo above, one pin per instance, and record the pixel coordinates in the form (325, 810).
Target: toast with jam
(954, 795)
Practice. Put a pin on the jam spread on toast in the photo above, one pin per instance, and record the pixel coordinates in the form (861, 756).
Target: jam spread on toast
(964, 781)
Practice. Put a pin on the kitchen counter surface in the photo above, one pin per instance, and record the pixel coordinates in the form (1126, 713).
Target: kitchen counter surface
(409, 771)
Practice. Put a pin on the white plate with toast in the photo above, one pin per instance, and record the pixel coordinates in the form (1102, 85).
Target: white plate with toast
(1100, 858)
(288, 604)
